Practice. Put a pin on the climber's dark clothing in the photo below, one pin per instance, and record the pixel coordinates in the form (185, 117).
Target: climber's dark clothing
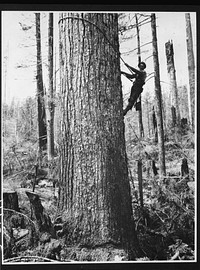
(136, 88)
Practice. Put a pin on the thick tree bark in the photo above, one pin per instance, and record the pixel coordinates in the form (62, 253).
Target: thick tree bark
(158, 97)
(191, 69)
(172, 78)
(50, 94)
(40, 90)
(94, 185)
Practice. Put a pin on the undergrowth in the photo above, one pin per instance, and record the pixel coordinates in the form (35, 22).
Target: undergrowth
(166, 223)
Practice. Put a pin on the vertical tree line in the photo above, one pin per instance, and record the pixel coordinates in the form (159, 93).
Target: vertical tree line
(50, 103)
(191, 69)
(141, 129)
(42, 131)
(158, 97)
(45, 101)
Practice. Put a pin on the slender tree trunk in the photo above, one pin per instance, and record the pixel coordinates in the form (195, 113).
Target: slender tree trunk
(158, 98)
(94, 185)
(50, 94)
(167, 106)
(172, 79)
(147, 115)
(191, 69)
(164, 109)
(140, 182)
(184, 106)
(141, 128)
(40, 90)
(154, 125)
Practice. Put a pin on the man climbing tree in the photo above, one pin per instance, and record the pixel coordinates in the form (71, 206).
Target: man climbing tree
(137, 87)
(94, 184)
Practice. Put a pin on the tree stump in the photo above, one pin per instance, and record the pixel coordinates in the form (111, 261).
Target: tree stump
(42, 219)
(10, 200)
(184, 167)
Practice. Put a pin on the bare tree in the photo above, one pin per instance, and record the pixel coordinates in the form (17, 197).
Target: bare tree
(50, 94)
(40, 89)
(158, 97)
(141, 129)
(191, 69)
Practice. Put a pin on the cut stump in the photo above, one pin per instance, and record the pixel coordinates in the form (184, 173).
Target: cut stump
(10, 200)
(184, 167)
(38, 214)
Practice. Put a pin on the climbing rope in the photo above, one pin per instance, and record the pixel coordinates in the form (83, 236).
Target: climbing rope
(100, 30)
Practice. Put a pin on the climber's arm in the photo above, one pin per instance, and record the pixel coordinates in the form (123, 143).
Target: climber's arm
(129, 76)
(133, 69)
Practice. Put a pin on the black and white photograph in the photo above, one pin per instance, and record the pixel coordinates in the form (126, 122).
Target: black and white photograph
(98, 133)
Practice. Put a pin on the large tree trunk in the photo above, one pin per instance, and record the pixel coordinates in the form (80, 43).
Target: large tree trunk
(191, 69)
(94, 185)
(50, 94)
(40, 90)
(158, 97)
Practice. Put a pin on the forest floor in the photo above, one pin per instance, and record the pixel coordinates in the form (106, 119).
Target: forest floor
(164, 224)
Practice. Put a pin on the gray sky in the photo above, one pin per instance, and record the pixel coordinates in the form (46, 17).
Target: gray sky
(170, 26)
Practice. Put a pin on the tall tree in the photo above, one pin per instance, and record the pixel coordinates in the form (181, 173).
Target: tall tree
(172, 79)
(191, 69)
(94, 184)
(50, 94)
(42, 132)
(141, 129)
(158, 97)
